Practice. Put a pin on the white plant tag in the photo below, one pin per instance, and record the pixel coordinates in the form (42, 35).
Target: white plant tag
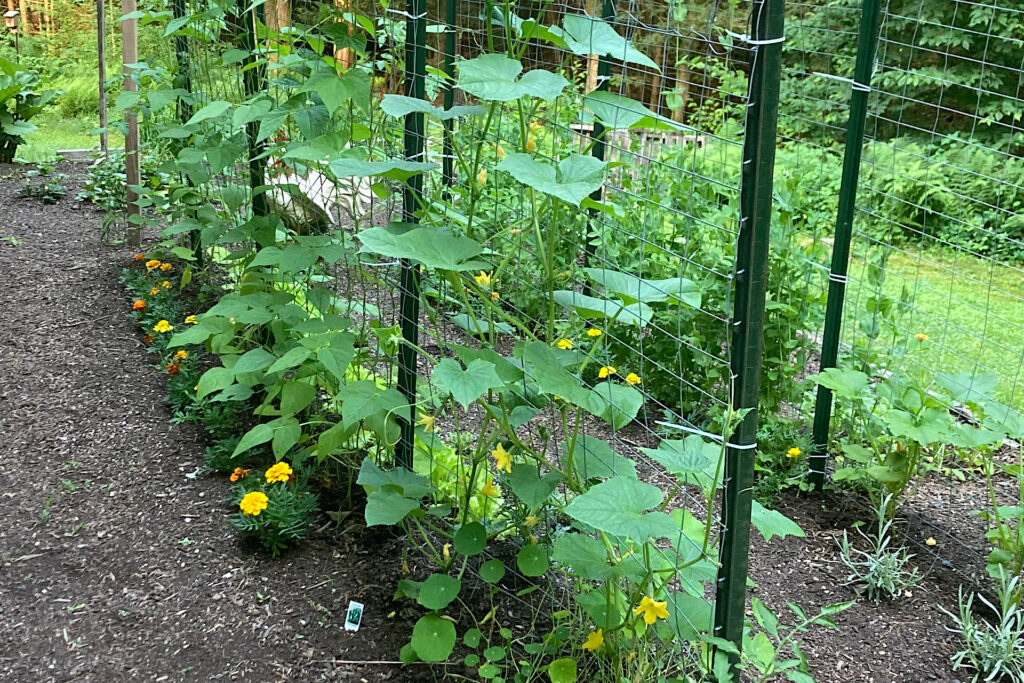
(354, 615)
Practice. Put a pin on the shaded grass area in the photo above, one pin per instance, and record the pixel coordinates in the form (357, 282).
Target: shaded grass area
(57, 133)
(971, 308)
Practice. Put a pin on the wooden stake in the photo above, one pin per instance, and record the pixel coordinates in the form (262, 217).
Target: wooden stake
(130, 52)
(101, 57)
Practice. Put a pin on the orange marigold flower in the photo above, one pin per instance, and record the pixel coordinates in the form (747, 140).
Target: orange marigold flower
(239, 473)
(140, 257)
(173, 368)
(139, 305)
(181, 355)
(148, 340)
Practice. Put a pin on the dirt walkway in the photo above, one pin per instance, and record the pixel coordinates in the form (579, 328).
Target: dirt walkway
(116, 559)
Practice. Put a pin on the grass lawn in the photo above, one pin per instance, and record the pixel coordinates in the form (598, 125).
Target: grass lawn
(56, 133)
(971, 308)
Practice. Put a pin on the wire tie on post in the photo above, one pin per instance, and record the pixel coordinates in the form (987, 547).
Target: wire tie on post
(862, 87)
(750, 41)
(841, 279)
(414, 17)
(714, 437)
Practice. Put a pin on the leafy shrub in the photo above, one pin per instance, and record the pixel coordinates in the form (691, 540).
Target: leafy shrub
(21, 98)
(274, 508)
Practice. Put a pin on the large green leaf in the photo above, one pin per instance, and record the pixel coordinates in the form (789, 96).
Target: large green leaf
(495, 77)
(531, 488)
(363, 399)
(586, 306)
(334, 90)
(691, 455)
(428, 246)
(772, 523)
(586, 35)
(210, 111)
(467, 385)
(688, 615)
(585, 556)
(620, 506)
(845, 383)
(593, 458)
(396, 169)
(617, 404)
(632, 289)
(400, 105)
(574, 179)
(544, 369)
(617, 112)
(532, 560)
(438, 591)
(433, 638)
(400, 479)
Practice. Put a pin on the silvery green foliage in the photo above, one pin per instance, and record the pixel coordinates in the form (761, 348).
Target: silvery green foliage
(882, 571)
(995, 652)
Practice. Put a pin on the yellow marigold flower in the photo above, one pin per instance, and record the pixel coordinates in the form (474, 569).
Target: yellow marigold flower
(239, 473)
(499, 151)
(633, 379)
(594, 640)
(606, 371)
(531, 522)
(921, 337)
(564, 344)
(166, 284)
(536, 127)
(490, 490)
(483, 279)
(793, 452)
(427, 421)
(181, 355)
(139, 305)
(163, 326)
(502, 459)
(495, 296)
(254, 503)
(155, 290)
(165, 267)
(531, 145)
(190, 320)
(652, 610)
(931, 541)
(282, 471)
(152, 264)
(594, 332)
(481, 177)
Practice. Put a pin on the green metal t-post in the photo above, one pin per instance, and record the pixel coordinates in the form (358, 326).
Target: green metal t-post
(412, 195)
(448, 148)
(867, 43)
(747, 344)
(254, 80)
(598, 151)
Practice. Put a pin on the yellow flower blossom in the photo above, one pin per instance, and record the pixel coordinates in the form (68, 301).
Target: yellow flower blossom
(446, 551)
(531, 145)
(483, 279)
(499, 151)
(166, 284)
(633, 379)
(165, 267)
(921, 337)
(594, 332)
(502, 459)
(531, 522)
(181, 355)
(793, 452)
(190, 320)
(515, 231)
(606, 371)
(282, 471)
(490, 490)
(163, 326)
(481, 177)
(155, 290)
(652, 610)
(536, 127)
(254, 503)
(152, 264)
(594, 640)
(564, 344)
(495, 296)
(931, 541)
(426, 421)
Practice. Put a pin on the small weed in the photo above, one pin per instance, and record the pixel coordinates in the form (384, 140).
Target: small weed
(45, 514)
(882, 571)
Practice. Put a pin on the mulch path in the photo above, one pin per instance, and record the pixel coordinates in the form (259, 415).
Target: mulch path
(117, 562)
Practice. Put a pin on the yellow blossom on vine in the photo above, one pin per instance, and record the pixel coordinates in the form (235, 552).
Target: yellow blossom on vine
(793, 452)
(282, 471)
(536, 127)
(606, 371)
(426, 421)
(502, 459)
(594, 640)
(652, 610)
(481, 177)
(254, 503)
(531, 522)
(515, 231)
(490, 490)
(564, 344)
(152, 264)
(495, 296)
(531, 145)
(921, 337)
(499, 151)
(633, 379)
(163, 326)
(446, 551)
(190, 320)
(239, 473)
(594, 332)
(483, 279)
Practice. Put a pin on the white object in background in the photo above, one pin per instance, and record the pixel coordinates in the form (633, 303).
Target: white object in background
(353, 616)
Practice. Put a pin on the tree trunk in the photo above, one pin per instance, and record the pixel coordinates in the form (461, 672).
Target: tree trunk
(654, 98)
(682, 91)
